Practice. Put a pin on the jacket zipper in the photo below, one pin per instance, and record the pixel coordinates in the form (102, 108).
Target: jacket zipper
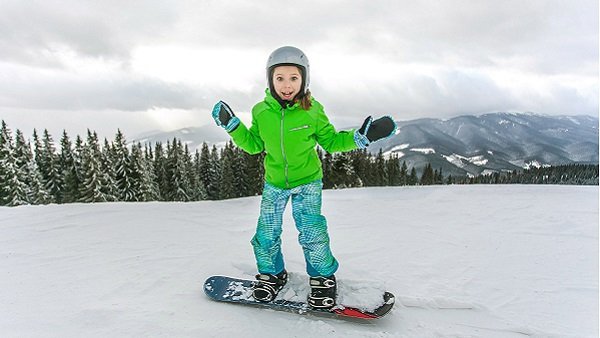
(287, 184)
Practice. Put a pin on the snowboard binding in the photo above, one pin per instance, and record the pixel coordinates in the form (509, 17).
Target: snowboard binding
(268, 286)
(322, 292)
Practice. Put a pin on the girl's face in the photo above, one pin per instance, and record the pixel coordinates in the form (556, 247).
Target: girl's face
(287, 82)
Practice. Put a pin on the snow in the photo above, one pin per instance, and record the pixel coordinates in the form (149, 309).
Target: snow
(488, 172)
(423, 150)
(400, 147)
(457, 160)
(396, 151)
(463, 261)
(478, 160)
(534, 164)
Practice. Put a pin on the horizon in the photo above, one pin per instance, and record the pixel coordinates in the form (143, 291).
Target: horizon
(148, 133)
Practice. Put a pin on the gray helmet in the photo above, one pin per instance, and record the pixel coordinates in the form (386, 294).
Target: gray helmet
(288, 55)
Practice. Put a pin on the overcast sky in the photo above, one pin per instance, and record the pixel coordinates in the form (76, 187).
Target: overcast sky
(149, 64)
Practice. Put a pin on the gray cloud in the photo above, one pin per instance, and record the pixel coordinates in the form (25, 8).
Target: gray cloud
(466, 42)
(64, 91)
(453, 93)
(32, 31)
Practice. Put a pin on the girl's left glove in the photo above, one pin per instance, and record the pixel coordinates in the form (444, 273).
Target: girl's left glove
(224, 116)
(372, 131)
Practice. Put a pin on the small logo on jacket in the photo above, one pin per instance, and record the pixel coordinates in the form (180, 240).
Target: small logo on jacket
(300, 128)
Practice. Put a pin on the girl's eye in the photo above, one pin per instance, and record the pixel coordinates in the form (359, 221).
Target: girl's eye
(294, 78)
(279, 78)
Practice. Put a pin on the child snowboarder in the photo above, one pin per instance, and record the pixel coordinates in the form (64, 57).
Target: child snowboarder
(287, 125)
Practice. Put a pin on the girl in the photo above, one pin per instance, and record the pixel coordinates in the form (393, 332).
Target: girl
(287, 125)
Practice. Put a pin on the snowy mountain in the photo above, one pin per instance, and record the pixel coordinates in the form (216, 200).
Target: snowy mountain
(192, 136)
(465, 145)
(495, 142)
(463, 261)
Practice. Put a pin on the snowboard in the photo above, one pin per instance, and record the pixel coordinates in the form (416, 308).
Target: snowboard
(235, 290)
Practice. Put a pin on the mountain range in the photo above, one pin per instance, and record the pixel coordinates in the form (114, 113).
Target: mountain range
(464, 145)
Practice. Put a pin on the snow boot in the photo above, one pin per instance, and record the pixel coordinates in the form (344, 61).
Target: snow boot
(268, 286)
(322, 292)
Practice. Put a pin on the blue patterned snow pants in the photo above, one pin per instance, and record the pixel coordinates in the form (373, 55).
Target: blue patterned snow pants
(311, 225)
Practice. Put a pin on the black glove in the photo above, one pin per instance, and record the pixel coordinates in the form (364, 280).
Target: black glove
(378, 129)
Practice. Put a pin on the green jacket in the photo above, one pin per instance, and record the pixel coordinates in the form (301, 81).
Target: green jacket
(289, 137)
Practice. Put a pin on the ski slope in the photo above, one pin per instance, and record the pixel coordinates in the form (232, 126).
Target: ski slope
(463, 261)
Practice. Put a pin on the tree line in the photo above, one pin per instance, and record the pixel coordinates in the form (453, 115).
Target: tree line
(42, 172)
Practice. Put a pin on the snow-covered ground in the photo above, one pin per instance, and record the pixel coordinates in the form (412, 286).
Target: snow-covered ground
(463, 261)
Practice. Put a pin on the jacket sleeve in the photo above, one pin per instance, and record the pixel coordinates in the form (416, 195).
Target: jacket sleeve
(248, 139)
(330, 139)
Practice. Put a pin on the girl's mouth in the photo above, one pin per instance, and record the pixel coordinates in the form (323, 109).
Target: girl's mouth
(287, 96)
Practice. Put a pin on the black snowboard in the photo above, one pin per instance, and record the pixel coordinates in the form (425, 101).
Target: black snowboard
(234, 290)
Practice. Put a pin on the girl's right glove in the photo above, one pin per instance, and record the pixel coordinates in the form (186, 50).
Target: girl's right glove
(224, 117)
(372, 131)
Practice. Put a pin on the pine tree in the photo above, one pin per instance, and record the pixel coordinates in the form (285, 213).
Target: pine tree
(16, 194)
(327, 164)
(189, 182)
(170, 171)
(380, 171)
(177, 178)
(68, 165)
(439, 177)
(160, 172)
(204, 170)
(109, 173)
(145, 187)
(151, 174)
(5, 161)
(23, 156)
(343, 174)
(13, 190)
(412, 178)
(393, 170)
(240, 173)
(124, 176)
(95, 183)
(361, 161)
(29, 173)
(403, 174)
(214, 189)
(38, 193)
(200, 188)
(427, 178)
(78, 168)
(227, 188)
(255, 173)
(50, 167)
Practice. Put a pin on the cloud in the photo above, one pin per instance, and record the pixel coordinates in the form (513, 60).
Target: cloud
(417, 59)
(33, 31)
(63, 90)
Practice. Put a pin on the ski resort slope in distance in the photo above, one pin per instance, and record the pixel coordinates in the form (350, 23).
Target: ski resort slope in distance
(463, 261)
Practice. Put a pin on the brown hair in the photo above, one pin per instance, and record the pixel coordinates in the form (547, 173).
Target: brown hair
(305, 101)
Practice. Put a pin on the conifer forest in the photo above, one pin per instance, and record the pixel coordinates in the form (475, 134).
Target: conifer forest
(85, 170)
